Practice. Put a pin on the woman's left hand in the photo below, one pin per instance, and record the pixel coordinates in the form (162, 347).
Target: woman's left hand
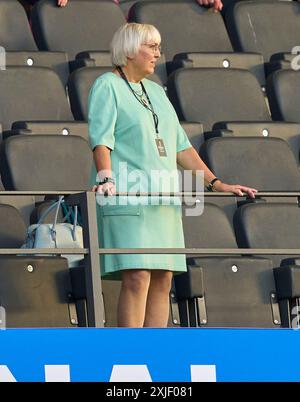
(235, 189)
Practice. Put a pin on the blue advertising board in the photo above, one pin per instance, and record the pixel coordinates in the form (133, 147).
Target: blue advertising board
(158, 355)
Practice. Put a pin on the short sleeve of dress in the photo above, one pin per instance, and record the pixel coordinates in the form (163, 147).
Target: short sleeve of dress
(182, 139)
(102, 115)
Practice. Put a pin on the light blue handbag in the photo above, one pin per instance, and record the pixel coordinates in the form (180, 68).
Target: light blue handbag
(56, 235)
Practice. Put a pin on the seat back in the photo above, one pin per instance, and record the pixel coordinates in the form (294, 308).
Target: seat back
(198, 233)
(57, 28)
(12, 228)
(36, 292)
(45, 163)
(31, 94)
(265, 27)
(268, 225)
(184, 26)
(267, 164)
(211, 95)
(15, 33)
(283, 88)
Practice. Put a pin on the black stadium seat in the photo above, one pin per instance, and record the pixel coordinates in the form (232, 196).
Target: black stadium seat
(83, 25)
(45, 163)
(36, 292)
(12, 228)
(266, 27)
(283, 88)
(267, 164)
(20, 48)
(223, 291)
(211, 95)
(290, 132)
(275, 226)
(32, 94)
(201, 39)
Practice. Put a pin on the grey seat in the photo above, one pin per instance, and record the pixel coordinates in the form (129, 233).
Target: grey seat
(275, 226)
(193, 37)
(36, 292)
(290, 132)
(266, 27)
(83, 25)
(45, 163)
(20, 48)
(32, 94)
(211, 95)
(219, 290)
(267, 164)
(12, 228)
(251, 28)
(283, 89)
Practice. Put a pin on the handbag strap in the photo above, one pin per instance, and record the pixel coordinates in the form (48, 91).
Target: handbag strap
(57, 205)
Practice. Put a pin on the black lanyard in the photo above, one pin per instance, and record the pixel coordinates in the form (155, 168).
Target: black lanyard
(154, 115)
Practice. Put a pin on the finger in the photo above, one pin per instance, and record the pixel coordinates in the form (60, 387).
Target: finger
(238, 192)
(100, 190)
(94, 189)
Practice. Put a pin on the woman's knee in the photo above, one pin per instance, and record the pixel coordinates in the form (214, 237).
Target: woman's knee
(136, 281)
(162, 280)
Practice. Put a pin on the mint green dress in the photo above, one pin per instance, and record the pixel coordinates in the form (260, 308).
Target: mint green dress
(118, 121)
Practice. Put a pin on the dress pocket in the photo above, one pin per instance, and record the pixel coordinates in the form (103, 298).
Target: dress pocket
(121, 210)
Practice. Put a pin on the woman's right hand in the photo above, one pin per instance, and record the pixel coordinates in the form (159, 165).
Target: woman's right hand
(105, 189)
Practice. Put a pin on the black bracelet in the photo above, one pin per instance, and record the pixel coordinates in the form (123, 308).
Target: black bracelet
(106, 180)
(211, 184)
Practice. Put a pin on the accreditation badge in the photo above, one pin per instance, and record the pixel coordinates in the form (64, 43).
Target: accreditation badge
(161, 147)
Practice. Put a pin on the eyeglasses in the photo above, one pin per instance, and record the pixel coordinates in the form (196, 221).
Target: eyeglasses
(153, 47)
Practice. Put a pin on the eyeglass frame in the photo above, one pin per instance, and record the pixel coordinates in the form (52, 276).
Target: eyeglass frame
(154, 48)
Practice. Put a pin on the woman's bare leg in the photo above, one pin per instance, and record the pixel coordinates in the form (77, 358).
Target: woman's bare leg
(157, 307)
(133, 296)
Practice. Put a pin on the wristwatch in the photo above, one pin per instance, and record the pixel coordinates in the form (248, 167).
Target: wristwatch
(106, 180)
(211, 184)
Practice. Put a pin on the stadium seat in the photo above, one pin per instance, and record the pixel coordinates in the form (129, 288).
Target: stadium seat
(211, 95)
(32, 94)
(283, 89)
(36, 292)
(201, 39)
(85, 25)
(275, 226)
(289, 132)
(20, 48)
(12, 228)
(45, 163)
(223, 291)
(266, 27)
(266, 164)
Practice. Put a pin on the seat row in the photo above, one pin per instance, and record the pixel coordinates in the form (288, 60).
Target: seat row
(193, 37)
(253, 290)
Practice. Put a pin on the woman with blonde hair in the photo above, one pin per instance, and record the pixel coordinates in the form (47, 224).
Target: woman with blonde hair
(133, 127)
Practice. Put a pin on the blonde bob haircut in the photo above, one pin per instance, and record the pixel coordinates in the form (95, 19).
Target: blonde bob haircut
(128, 39)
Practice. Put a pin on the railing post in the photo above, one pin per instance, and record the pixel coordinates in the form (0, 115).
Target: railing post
(95, 308)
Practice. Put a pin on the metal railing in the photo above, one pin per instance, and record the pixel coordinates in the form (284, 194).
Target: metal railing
(87, 203)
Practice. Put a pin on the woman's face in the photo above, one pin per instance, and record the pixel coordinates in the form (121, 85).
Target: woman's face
(146, 58)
